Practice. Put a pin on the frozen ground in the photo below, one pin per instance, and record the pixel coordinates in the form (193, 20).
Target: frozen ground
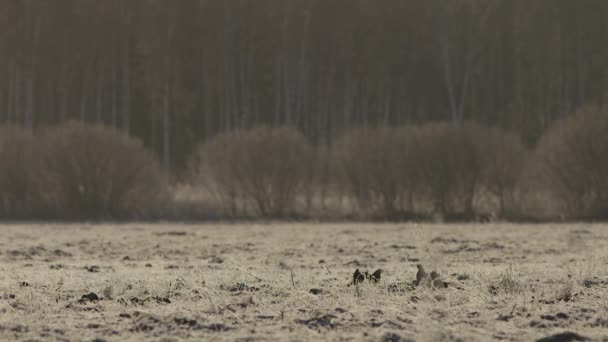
(253, 282)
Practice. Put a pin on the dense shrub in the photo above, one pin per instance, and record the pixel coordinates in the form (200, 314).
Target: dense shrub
(94, 172)
(572, 156)
(19, 160)
(264, 168)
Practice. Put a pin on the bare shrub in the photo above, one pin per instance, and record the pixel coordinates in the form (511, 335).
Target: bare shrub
(265, 167)
(372, 168)
(451, 162)
(91, 171)
(504, 159)
(572, 157)
(214, 167)
(19, 158)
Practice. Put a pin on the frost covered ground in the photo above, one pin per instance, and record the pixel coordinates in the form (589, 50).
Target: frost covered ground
(266, 282)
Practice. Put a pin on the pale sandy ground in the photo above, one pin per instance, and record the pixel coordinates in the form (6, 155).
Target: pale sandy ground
(177, 282)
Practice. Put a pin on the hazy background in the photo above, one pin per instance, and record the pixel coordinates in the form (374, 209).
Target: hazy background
(173, 74)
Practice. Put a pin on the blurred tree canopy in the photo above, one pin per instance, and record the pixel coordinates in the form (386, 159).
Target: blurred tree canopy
(176, 72)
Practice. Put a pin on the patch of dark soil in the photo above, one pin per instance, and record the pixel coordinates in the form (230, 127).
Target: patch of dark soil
(89, 298)
(214, 327)
(185, 321)
(493, 245)
(395, 246)
(386, 324)
(216, 260)
(325, 321)
(392, 337)
(598, 323)
(161, 300)
(93, 326)
(234, 306)
(316, 291)
(440, 239)
(148, 265)
(462, 248)
(139, 301)
(595, 281)
(245, 339)
(563, 337)
(20, 328)
(240, 287)
(401, 287)
(124, 315)
(92, 268)
(461, 277)
(172, 233)
(493, 260)
(29, 253)
(171, 267)
(556, 317)
(61, 253)
(355, 262)
(83, 308)
(145, 322)
(504, 318)
(540, 325)
(126, 258)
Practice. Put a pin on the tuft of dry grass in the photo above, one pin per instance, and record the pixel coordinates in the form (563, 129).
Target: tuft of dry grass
(263, 282)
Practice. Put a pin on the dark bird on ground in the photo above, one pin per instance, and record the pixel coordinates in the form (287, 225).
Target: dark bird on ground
(422, 278)
(433, 280)
(437, 281)
(359, 277)
(375, 277)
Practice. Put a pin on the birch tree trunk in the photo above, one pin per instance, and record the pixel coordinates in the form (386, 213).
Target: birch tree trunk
(126, 71)
(168, 93)
(99, 101)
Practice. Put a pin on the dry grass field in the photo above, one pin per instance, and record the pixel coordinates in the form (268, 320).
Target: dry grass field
(253, 282)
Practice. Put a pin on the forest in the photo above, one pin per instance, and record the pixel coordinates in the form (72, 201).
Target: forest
(174, 73)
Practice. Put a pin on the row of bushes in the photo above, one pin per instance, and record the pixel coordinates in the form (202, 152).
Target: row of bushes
(381, 172)
(77, 171)
(413, 172)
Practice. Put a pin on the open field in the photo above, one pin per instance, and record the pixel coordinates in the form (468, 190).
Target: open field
(253, 282)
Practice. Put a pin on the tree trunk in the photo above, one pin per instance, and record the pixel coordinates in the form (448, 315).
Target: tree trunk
(126, 72)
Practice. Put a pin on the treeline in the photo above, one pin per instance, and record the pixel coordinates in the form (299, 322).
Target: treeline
(435, 171)
(174, 73)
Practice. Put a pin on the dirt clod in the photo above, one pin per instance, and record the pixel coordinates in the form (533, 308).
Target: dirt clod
(316, 291)
(325, 321)
(92, 268)
(563, 337)
(89, 297)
